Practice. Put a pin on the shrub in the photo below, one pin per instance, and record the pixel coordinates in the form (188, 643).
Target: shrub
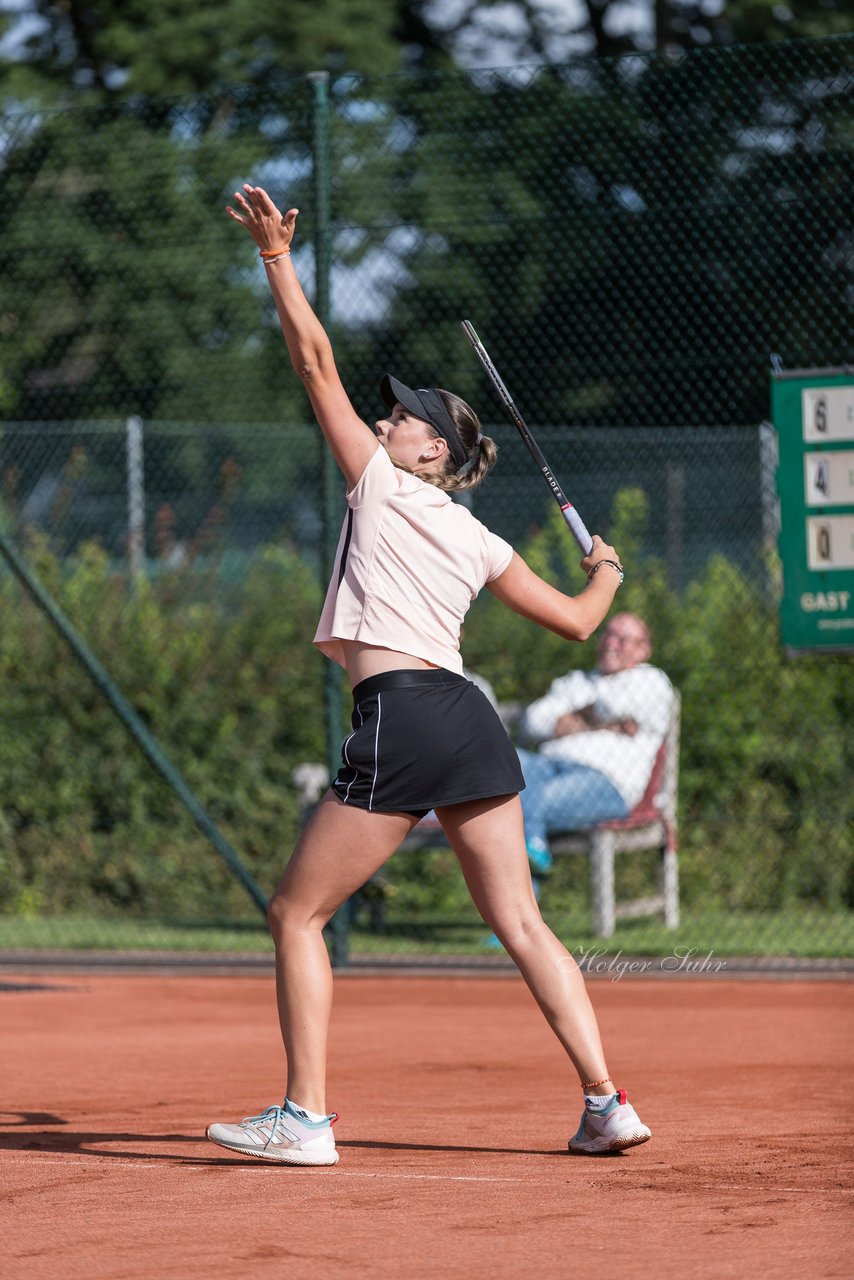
(232, 694)
(224, 674)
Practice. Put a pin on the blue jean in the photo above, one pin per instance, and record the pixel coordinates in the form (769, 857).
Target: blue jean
(563, 796)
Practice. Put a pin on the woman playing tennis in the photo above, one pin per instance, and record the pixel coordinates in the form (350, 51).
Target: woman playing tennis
(409, 563)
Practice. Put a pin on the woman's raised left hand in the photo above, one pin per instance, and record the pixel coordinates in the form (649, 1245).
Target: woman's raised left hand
(270, 229)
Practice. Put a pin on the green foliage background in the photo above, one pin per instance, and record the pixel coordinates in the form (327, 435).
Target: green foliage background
(231, 694)
(229, 682)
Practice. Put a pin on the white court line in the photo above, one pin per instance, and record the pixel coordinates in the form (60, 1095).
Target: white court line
(340, 1173)
(408, 1177)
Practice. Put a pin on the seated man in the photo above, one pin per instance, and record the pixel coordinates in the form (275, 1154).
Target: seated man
(600, 732)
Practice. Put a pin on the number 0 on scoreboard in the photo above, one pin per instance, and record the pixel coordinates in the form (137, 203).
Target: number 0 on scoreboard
(830, 542)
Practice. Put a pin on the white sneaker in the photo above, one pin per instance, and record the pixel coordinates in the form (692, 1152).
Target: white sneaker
(614, 1128)
(280, 1133)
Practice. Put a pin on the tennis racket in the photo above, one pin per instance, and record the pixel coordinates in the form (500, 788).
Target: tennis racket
(576, 525)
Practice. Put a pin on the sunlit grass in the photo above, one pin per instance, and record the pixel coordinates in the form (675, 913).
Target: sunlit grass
(791, 932)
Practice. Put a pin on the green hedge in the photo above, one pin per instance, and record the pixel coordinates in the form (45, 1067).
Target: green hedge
(224, 673)
(226, 678)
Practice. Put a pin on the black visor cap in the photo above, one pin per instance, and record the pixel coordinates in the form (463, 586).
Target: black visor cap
(427, 404)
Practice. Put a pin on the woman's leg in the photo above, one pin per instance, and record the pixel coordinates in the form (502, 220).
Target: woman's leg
(489, 841)
(340, 848)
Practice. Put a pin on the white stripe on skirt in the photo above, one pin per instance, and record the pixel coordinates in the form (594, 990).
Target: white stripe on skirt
(376, 749)
(347, 758)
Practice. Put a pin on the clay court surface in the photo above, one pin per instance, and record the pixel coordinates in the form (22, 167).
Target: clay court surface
(456, 1105)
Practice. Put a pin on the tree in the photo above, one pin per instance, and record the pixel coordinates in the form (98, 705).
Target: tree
(119, 278)
(502, 32)
(633, 237)
(96, 50)
(603, 198)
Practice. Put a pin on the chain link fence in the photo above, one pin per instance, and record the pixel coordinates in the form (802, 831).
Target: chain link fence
(632, 238)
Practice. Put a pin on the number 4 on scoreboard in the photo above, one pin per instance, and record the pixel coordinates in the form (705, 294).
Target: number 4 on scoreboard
(829, 478)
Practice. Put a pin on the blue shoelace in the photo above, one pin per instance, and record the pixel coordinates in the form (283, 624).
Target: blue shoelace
(278, 1117)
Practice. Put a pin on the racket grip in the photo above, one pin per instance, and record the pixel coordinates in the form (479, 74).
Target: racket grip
(578, 529)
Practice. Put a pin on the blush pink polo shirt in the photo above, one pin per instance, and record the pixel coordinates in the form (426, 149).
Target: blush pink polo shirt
(414, 562)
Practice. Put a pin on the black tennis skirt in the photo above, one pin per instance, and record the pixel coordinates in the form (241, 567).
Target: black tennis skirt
(422, 739)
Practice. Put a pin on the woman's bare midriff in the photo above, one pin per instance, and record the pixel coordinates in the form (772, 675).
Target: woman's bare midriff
(364, 660)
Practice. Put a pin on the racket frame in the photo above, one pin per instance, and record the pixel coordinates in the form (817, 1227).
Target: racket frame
(574, 522)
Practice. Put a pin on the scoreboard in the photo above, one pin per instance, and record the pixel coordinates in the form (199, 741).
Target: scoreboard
(813, 414)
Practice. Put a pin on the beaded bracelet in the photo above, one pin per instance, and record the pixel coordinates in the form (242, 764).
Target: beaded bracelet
(594, 1084)
(613, 564)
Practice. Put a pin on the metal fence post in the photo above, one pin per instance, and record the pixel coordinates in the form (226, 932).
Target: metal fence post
(136, 499)
(674, 480)
(332, 482)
